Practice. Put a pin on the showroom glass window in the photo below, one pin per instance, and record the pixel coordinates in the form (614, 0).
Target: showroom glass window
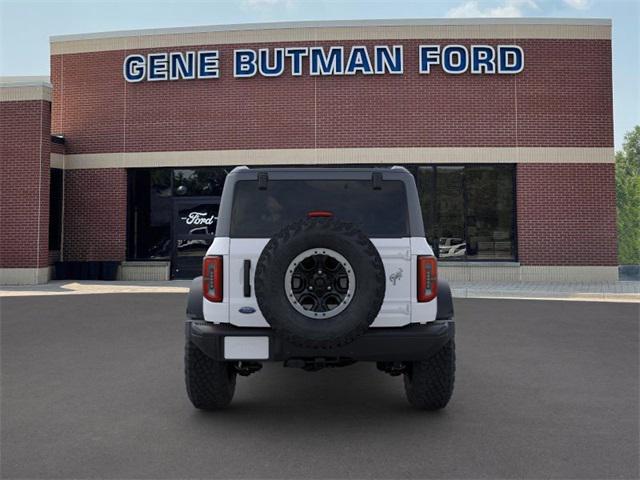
(151, 196)
(469, 211)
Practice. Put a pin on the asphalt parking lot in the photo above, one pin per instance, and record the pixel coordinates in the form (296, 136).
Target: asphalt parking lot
(92, 387)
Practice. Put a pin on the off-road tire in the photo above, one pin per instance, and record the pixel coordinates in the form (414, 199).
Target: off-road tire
(343, 238)
(210, 384)
(429, 383)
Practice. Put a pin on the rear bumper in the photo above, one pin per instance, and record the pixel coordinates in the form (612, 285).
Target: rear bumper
(410, 343)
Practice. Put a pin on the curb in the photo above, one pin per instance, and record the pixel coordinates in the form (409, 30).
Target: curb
(548, 295)
(182, 287)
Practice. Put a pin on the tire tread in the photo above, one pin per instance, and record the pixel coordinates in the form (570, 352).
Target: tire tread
(210, 383)
(429, 383)
(332, 226)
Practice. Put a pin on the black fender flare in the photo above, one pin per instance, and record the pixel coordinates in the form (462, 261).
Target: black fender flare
(194, 301)
(445, 301)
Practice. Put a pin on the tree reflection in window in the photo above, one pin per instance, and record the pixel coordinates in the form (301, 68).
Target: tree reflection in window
(199, 181)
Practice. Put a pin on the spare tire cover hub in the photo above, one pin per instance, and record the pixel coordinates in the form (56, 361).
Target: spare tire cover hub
(320, 283)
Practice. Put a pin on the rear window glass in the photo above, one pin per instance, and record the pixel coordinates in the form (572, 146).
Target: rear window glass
(262, 213)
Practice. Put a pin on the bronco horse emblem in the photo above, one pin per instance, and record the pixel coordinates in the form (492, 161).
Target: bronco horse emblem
(394, 277)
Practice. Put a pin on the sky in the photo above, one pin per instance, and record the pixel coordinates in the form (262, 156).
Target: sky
(25, 26)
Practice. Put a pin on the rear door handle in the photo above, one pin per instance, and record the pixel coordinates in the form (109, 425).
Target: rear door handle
(247, 277)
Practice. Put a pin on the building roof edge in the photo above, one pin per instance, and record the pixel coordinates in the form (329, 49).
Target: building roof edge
(333, 24)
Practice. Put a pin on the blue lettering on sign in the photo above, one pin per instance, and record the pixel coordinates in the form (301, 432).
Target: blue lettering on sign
(483, 59)
(510, 59)
(134, 68)
(479, 59)
(273, 67)
(324, 61)
(208, 64)
(326, 64)
(296, 55)
(158, 67)
(386, 61)
(244, 63)
(455, 59)
(429, 55)
(359, 61)
(182, 65)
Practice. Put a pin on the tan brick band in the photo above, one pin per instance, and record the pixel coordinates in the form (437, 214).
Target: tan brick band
(25, 93)
(329, 31)
(469, 272)
(147, 271)
(18, 89)
(302, 156)
(24, 276)
(57, 160)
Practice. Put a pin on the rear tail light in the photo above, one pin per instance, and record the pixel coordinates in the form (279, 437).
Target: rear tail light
(427, 278)
(319, 213)
(212, 278)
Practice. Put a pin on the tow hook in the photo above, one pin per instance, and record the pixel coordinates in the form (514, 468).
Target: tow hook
(315, 364)
(245, 369)
(392, 368)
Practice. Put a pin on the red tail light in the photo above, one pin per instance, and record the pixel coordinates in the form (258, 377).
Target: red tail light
(212, 278)
(319, 213)
(427, 278)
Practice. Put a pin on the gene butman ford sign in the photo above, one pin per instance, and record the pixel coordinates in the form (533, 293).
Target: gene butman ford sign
(327, 61)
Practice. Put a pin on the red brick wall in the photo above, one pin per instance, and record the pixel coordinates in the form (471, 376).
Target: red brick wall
(562, 98)
(95, 214)
(24, 183)
(566, 214)
(57, 148)
(55, 77)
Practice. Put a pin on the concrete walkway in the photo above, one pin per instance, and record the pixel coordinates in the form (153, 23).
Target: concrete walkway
(84, 287)
(579, 291)
(595, 292)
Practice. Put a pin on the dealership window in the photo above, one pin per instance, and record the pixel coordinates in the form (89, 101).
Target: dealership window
(55, 209)
(152, 194)
(469, 211)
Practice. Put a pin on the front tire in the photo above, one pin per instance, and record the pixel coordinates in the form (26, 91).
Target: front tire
(210, 384)
(429, 383)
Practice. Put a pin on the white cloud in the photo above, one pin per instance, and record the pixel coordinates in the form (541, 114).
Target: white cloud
(508, 8)
(578, 4)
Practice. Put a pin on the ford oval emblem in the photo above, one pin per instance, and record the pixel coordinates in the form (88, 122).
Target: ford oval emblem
(247, 310)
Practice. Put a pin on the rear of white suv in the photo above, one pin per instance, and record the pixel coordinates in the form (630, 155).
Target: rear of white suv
(319, 267)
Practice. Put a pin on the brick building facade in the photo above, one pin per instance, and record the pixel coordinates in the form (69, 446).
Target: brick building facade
(515, 170)
(25, 145)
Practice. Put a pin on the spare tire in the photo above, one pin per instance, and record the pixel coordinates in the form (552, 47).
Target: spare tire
(320, 283)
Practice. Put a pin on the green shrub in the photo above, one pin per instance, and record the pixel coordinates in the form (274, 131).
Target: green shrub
(628, 198)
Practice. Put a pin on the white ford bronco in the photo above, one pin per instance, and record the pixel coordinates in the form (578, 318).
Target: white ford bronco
(315, 268)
